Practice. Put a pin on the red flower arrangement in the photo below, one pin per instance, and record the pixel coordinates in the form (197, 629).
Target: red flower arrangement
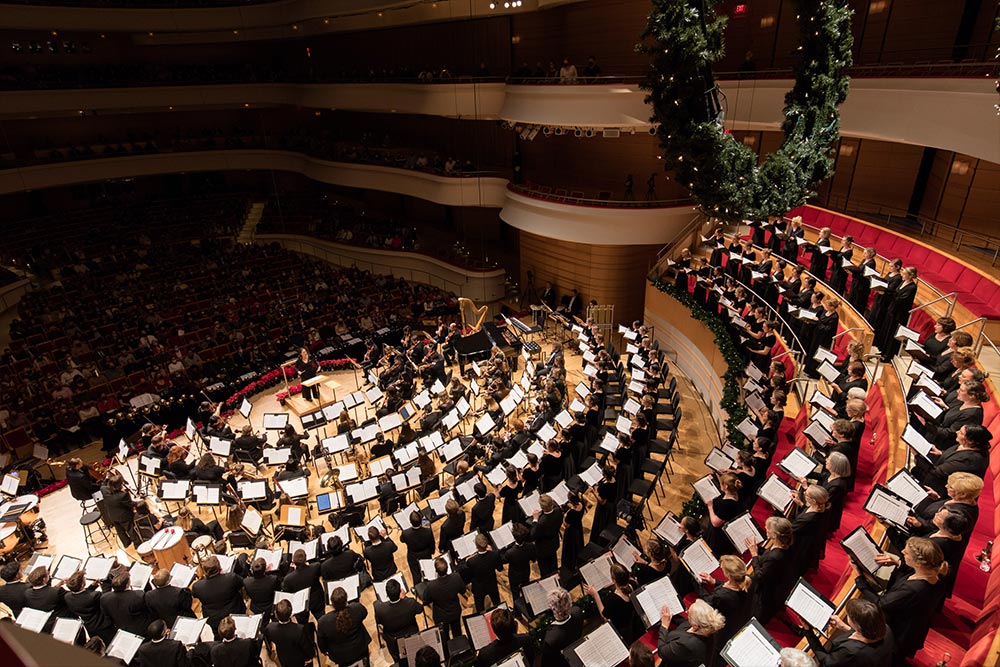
(328, 365)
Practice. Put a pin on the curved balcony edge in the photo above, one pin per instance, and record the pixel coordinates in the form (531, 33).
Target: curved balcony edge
(477, 191)
(480, 286)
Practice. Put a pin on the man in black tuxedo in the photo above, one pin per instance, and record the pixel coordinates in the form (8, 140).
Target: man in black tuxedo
(380, 554)
(397, 616)
(84, 602)
(260, 586)
(443, 596)
(481, 516)
(293, 643)
(119, 511)
(480, 570)
(126, 608)
(12, 592)
(548, 296)
(220, 594)
(81, 485)
(419, 541)
(566, 628)
(160, 650)
(232, 651)
(518, 557)
(167, 602)
(545, 533)
(249, 444)
(305, 575)
(45, 597)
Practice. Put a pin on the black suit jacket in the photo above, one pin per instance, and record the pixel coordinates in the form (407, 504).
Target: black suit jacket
(12, 595)
(47, 598)
(307, 577)
(261, 590)
(481, 517)
(168, 603)
(518, 558)
(86, 605)
(220, 596)
(451, 527)
(236, 653)
(398, 619)
(442, 593)
(164, 653)
(340, 566)
(127, 610)
(419, 545)
(497, 650)
(292, 642)
(480, 570)
(560, 635)
(545, 532)
(381, 558)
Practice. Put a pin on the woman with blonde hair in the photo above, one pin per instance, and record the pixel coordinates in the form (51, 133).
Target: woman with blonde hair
(811, 527)
(731, 599)
(692, 642)
(912, 599)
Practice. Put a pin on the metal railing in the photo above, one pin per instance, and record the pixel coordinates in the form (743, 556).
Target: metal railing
(665, 253)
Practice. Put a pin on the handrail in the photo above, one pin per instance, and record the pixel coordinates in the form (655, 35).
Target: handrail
(666, 252)
(847, 331)
(597, 203)
(943, 297)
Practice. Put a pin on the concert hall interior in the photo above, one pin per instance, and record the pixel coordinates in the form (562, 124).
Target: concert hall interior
(529, 333)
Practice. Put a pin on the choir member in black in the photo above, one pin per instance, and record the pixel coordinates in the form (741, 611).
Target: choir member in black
(220, 594)
(304, 575)
(84, 602)
(125, 608)
(13, 590)
(606, 499)
(341, 562)
(572, 540)
(234, 651)
(762, 344)
(82, 486)
(509, 492)
(681, 267)
(774, 571)
(835, 480)
(718, 244)
(453, 525)
(207, 470)
(884, 297)
(910, 602)
(659, 561)
(306, 369)
(481, 514)
(731, 598)
(379, 554)
(252, 446)
(341, 635)
(778, 229)
(260, 586)
(937, 342)
(963, 497)
(396, 616)
(861, 285)
(692, 642)
(545, 532)
(897, 313)
(480, 570)
(854, 377)
(749, 259)
(970, 454)
(518, 557)
(805, 328)
(820, 261)
(722, 509)
(733, 265)
(290, 642)
(793, 239)
(838, 274)
(968, 412)
(442, 594)
(419, 541)
(530, 475)
(961, 357)
(167, 602)
(811, 527)
(507, 641)
(862, 641)
(160, 650)
(825, 328)
(842, 433)
(615, 606)
(565, 628)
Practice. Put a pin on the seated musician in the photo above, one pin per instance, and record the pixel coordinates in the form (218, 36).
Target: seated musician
(249, 444)
(392, 403)
(82, 485)
(237, 474)
(433, 368)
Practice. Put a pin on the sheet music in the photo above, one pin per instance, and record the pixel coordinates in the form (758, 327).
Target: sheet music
(748, 428)
(181, 575)
(592, 475)
(927, 407)
(277, 456)
(188, 630)
(888, 507)
(536, 592)
(123, 646)
(502, 537)
(97, 568)
(508, 404)
(755, 402)
(33, 619)
(652, 598)
(917, 441)
(175, 489)
(299, 600)
(624, 552)
(699, 558)
(335, 444)
(380, 586)
(275, 420)
(863, 547)
(464, 546)
(828, 371)
(546, 433)
(797, 463)
(530, 503)
(452, 449)
(810, 606)
(906, 487)
(139, 574)
(623, 424)
(427, 567)
(776, 493)
(297, 487)
(66, 567)
(480, 629)
(817, 433)
(205, 494)
(66, 629)
(670, 529)
(437, 504)
(351, 586)
(311, 548)
(706, 489)
(497, 476)
(602, 648)
(609, 443)
(904, 333)
(560, 493)
(429, 637)
(752, 647)
(271, 556)
(820, 399)
(583, 390)
(364, 490)
(597, 572)
(718, 460)
(247, 627)
(485, 424)
(741, 529)
(252, 521)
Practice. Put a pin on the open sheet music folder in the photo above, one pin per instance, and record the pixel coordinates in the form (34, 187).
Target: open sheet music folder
(752, 646)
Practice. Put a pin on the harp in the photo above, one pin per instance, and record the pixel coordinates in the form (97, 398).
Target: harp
(472, 317)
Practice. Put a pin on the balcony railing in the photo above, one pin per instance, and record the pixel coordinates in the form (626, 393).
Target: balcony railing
(580, 198)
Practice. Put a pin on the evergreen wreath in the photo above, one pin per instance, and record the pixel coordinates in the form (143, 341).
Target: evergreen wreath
(683, 39)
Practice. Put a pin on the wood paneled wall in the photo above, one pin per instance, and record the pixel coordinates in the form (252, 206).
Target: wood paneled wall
(610, 274)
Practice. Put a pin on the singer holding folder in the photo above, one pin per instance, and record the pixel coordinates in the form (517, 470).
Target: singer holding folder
(864, 638)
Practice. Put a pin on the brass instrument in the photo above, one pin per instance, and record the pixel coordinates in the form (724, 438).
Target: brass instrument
(331, 479)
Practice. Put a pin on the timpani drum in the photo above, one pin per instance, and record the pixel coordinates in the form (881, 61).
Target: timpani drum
(170, 546)
(9, 539)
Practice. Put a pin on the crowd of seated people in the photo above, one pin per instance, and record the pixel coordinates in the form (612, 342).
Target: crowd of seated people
(153, 317)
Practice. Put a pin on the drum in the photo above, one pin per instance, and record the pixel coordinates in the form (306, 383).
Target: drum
(145, 551)
(202, 548)
(170, 546)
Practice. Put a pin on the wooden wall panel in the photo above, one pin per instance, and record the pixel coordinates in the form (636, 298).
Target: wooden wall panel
(885, 173)
(925, 28)
(937, 179)
(980, 214)
(610, 274)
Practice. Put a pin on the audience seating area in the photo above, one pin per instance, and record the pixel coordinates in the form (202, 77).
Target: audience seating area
(977, 292)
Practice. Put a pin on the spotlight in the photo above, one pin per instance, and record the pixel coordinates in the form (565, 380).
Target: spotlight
(506, 5)
(652, 130)
(546, 130)
(560, 131)
(578, 133)
(493, 5)
(533, 134)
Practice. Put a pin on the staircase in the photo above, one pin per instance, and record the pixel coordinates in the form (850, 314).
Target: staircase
(249, 230)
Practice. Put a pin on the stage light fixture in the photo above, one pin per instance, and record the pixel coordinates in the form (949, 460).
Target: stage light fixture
(577, 133)
(652, 130)
(589, 132)
(560, 131)
(493, 5)
(547, 130)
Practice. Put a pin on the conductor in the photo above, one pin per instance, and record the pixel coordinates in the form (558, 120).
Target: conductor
(307, 370)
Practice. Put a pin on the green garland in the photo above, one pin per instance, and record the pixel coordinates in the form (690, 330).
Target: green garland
(683, 39)
(736, 410)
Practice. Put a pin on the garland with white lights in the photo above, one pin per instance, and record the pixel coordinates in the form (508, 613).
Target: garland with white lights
(683, 39)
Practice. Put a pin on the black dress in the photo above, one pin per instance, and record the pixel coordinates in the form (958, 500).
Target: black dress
(898, 313)
(810, 531)
(604, 515)
(880, 305)
(734, 605)
(909, 606)
(774, 576)
(621, 615)
(572, 543)
(511, 509)
(530, 478)
(725, 509)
